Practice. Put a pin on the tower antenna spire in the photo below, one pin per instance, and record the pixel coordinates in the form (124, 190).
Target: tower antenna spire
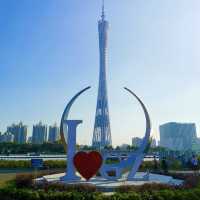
(103, 10)
(102, 131)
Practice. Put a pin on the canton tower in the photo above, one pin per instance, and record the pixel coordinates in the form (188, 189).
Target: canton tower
(102, 133)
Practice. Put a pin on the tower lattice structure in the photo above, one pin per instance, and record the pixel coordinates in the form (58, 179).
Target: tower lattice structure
(102, 132)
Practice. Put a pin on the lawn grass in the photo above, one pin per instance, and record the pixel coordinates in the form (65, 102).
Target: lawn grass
(10, 174)
(4, 178)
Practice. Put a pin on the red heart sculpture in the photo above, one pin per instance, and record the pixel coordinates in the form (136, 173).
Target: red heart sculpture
(88, 164)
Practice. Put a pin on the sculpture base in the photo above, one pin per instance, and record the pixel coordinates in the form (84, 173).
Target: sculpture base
(66, 178)
(109, 186)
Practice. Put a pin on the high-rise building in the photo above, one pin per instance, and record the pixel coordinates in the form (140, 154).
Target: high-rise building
(196, 145)
(54, 134)
(7, 137)
(178, 136)
(19, 131)
(39, 135)
(102, 132)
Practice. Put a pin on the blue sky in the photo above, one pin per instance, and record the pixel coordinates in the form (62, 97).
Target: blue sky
(49, 51)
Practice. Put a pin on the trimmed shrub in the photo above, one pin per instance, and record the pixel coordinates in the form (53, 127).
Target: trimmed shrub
(126, 196)
(176, 165)
(68, 188)
(24, 180)
(32, 194)
(21, 164)
(144, 188)
(192, 181)
(15, 164)
(55, 164)
(167, 194)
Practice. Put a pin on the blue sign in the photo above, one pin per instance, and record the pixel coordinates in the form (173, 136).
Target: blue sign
(36, 163)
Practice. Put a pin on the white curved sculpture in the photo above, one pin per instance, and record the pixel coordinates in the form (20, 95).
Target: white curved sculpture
(68, 137)
(133, 161)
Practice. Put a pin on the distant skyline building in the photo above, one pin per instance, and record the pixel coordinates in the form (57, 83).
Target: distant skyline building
(196, 145)
(178, 136)
(39, 135)
(54, 134)
(102, 132)
(7, 137)
(19, 131)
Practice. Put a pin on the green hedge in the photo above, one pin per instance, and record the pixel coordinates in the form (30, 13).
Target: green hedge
(51, 164)
(24, 194)
(25, 188)
(14, 164)
(46, 148)
(146, 165)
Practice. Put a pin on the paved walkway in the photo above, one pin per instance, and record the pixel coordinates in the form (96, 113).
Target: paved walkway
(185, 171)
